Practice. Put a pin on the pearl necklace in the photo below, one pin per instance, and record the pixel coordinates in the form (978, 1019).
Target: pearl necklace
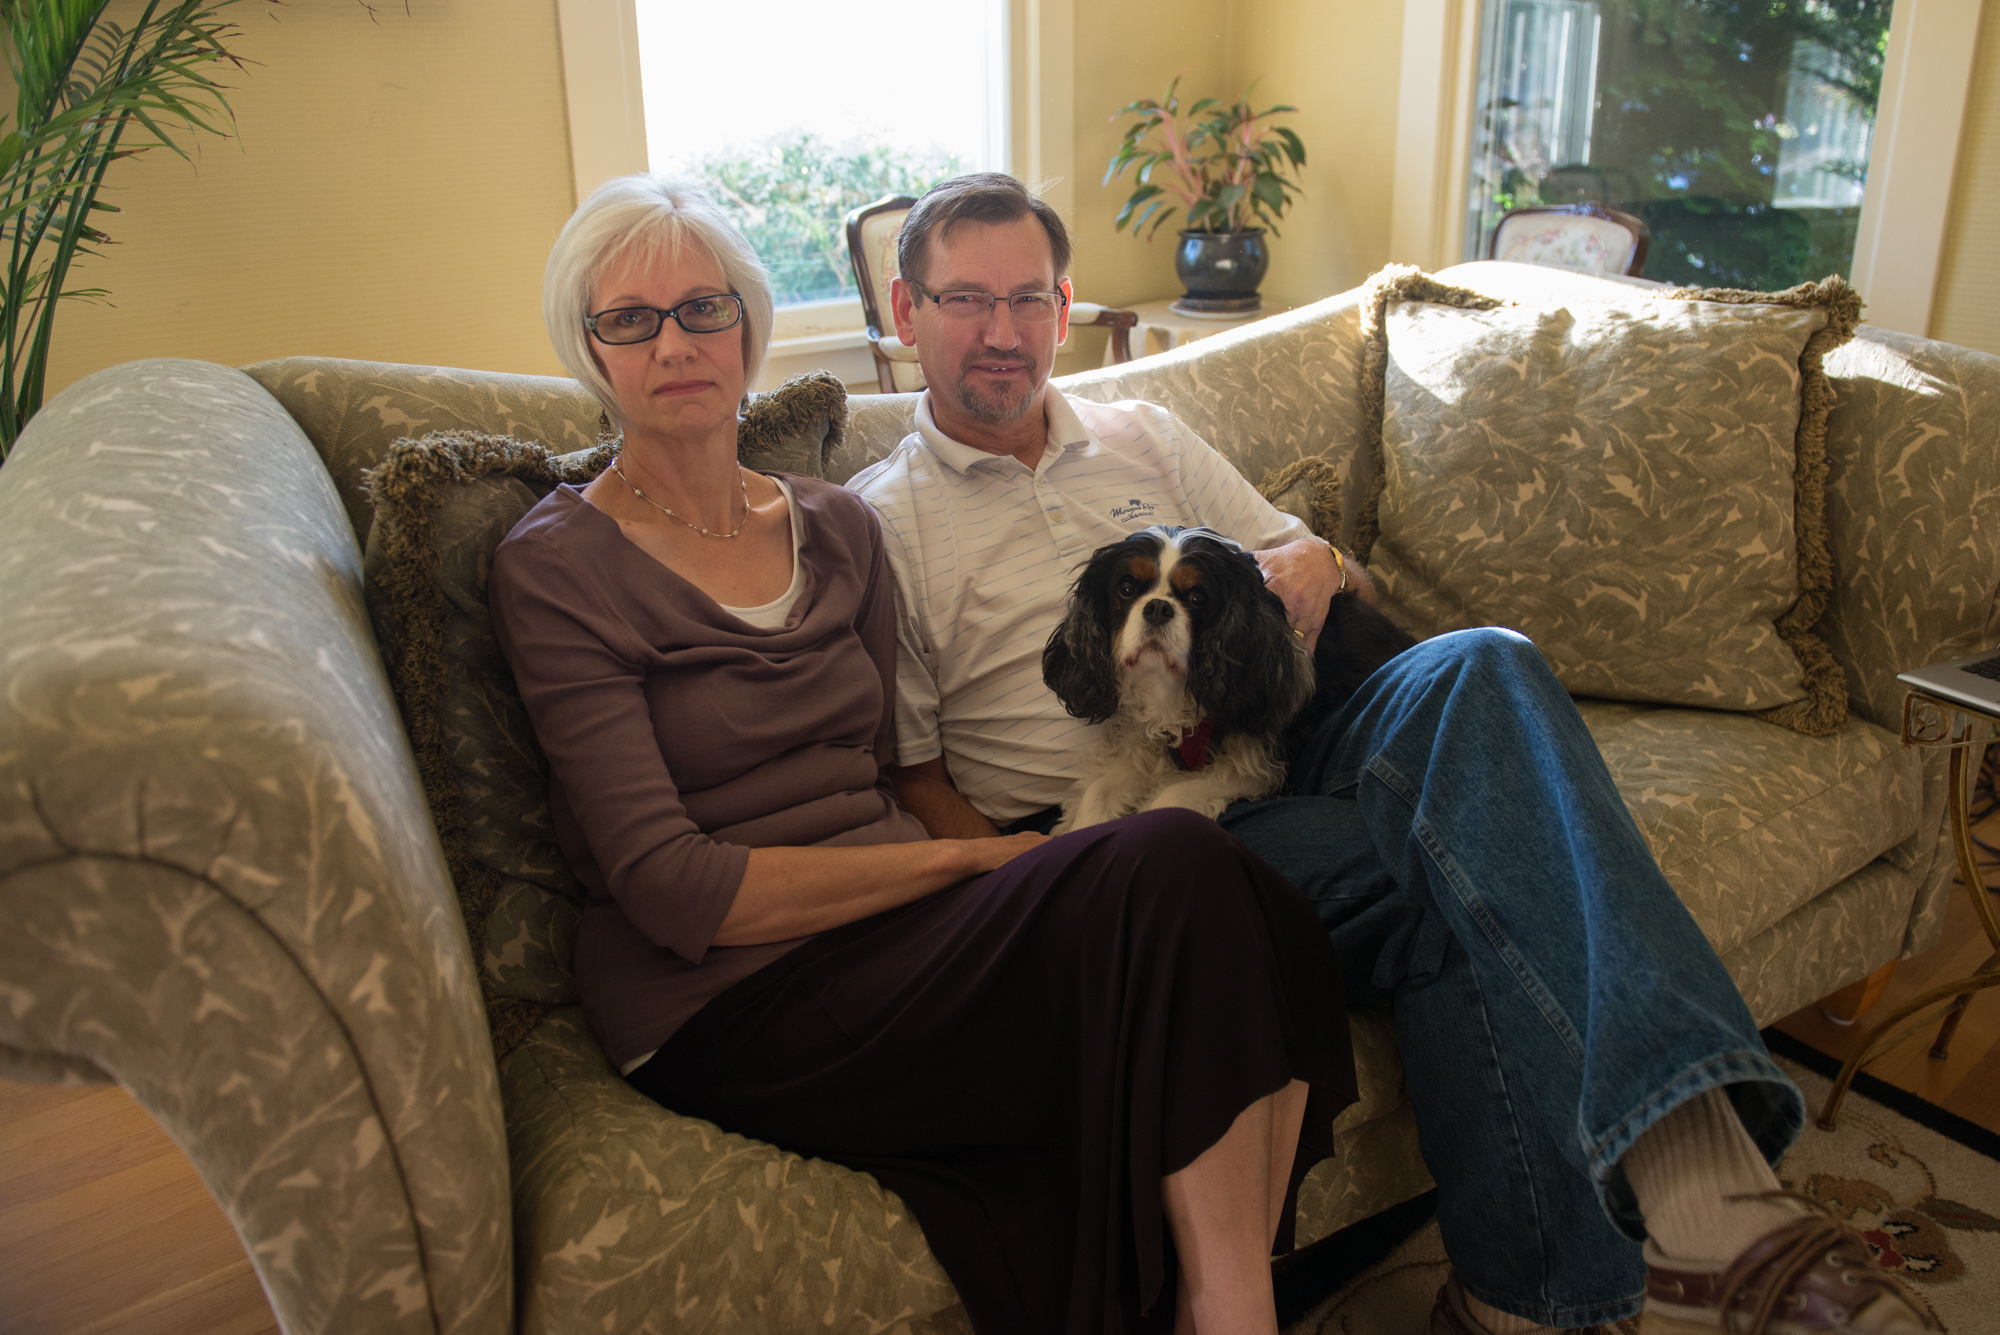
(706, 533)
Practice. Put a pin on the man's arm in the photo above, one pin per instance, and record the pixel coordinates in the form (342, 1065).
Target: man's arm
(927, 792)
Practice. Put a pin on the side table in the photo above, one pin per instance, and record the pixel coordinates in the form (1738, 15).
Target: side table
(1951, 725)
(1162, 329)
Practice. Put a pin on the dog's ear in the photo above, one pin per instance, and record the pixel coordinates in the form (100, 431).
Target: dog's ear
(1077, 664)
(1248, 671)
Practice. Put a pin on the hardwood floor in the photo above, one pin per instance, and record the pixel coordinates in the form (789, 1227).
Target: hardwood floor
(105, 1227)
(1967, 1082)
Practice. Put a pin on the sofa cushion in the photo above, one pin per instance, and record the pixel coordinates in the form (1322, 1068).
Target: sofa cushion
(1634, 482)
(442, 504)
(1751, 822)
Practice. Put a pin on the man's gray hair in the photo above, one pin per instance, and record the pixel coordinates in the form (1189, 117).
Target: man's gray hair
(982, 197)
(652, 217)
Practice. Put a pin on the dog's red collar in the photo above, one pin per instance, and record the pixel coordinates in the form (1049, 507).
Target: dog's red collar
(1192, 750)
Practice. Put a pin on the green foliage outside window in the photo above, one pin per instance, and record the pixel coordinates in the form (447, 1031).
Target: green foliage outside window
(1710, 197)
(790, 194)
(1690, 127)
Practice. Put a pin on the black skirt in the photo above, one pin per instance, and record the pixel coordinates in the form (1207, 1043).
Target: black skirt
(1023, 1057)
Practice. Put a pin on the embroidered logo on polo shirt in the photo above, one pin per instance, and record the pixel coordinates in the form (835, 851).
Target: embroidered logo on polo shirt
(1135, 511)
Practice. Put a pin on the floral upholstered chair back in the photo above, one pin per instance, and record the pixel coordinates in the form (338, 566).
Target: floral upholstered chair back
(1587, 238)
(871, 245)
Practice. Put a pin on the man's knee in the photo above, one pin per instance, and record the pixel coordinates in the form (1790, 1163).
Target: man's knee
(1490, 656)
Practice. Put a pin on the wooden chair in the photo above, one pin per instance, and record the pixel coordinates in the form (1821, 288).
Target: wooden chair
(871, 245)
(1588, 238)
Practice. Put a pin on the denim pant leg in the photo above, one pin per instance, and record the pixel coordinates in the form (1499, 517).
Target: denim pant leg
(1477, 870)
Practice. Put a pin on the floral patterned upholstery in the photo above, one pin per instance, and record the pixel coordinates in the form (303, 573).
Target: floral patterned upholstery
(224, 890)
(1575, 241)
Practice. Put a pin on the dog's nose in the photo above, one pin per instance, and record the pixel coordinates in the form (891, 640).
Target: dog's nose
(1159, 612)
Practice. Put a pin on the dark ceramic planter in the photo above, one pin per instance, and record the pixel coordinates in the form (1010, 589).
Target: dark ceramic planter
(1221, 270)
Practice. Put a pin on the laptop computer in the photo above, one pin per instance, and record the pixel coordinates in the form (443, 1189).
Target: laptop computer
(1973, 681)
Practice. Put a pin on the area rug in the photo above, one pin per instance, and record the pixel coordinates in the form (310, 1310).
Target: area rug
(1922, 1186)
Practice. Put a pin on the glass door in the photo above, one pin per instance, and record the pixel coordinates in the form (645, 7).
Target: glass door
(1738, 133)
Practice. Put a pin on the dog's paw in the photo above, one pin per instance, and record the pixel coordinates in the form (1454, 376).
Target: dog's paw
(1086, 814)
(1200, 798)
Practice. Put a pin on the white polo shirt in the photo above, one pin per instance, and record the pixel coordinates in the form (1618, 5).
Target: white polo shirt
(984, 552)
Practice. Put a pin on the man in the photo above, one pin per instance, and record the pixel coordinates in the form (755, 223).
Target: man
(1583, 1071)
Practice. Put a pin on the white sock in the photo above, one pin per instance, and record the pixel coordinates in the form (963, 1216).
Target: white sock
(1685, 1168)
(1499, 1322)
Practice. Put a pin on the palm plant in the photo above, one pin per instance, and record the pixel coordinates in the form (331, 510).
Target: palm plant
(1222, 162)
(91, 91)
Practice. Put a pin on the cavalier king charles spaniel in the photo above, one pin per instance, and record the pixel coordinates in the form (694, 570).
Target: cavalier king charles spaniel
(1173, 639)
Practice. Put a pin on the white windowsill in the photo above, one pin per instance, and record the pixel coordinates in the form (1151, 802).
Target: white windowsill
(815, 319)
(807, 344)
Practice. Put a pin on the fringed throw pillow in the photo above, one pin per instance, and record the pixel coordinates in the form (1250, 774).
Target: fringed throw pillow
(1635, 483)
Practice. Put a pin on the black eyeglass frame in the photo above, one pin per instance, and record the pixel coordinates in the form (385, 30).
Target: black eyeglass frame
(1062, 299)
(670, 313)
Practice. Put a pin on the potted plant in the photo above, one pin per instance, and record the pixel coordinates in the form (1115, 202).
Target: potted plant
(86, 78)
(1231, 172)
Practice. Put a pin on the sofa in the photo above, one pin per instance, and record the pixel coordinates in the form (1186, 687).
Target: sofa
(226, 892)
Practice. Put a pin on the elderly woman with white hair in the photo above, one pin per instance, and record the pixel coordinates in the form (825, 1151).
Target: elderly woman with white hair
(1083, 1062)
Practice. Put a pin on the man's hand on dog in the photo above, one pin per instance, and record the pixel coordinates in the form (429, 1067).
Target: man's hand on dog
(1305, 575)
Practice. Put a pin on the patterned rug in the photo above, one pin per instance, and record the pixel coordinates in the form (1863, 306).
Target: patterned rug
(1922, 1186)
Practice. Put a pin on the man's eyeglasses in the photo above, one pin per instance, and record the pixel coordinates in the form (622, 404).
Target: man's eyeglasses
(1025, 307)
(641, 324)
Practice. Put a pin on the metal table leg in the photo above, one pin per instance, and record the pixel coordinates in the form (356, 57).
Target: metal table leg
(1963, 776)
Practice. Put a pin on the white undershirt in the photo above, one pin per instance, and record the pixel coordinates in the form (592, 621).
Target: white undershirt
(772, 614)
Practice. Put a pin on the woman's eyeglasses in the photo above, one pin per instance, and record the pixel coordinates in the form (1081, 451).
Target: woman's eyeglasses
(1025, 307)
(642, 324)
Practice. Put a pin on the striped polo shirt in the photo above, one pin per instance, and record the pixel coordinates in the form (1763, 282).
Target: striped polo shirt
(984, 552)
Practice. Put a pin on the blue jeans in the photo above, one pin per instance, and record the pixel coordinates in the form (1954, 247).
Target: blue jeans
(1478, 873)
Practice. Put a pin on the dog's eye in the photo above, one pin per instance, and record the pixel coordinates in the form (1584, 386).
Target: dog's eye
(1197, 598)
(1128, 588)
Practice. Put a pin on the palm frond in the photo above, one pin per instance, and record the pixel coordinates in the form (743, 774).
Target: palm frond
(91, 91)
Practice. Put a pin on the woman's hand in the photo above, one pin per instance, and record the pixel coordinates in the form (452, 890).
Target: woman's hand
(794, 892)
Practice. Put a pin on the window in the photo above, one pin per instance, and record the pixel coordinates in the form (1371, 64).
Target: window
(800, 110)
(1740, 134)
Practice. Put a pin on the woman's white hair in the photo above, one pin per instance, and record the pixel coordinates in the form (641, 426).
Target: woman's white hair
(653, 216)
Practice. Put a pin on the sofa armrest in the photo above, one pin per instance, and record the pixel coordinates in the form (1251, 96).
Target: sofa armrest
(222, 888)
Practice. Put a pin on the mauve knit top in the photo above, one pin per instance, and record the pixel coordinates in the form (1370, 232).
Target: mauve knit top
(679, 738)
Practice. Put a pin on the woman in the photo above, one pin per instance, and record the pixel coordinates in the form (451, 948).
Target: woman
(1061, 1053)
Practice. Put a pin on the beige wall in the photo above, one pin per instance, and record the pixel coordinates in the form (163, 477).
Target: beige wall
(1966, 307)
(1126, 50)
(1336, 60)
(391, 193)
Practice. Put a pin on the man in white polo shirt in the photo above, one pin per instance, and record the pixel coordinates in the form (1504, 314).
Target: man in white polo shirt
(1584, 1073)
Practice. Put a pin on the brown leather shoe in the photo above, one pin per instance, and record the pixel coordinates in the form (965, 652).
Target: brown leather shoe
(1450, 1315)
(1814, 1275)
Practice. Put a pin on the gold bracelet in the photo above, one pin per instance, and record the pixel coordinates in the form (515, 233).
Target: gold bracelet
(1338, 560)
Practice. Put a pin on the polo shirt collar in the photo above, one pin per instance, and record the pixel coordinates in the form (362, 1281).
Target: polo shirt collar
(1066, 430)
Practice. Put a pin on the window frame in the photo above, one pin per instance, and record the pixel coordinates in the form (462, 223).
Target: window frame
(1904, 207)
